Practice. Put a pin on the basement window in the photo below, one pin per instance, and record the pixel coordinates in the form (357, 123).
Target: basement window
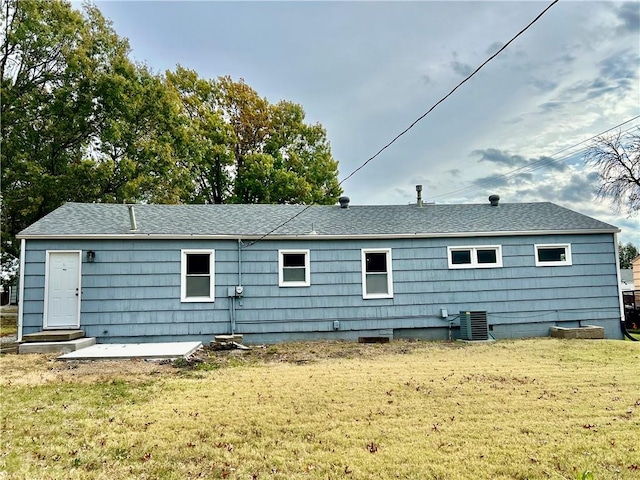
(293, 268)
(377, 278)
(553, 255)
(197, 276)
(484, 256)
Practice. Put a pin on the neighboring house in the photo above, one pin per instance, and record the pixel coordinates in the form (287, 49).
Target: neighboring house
(288, 272)
(635, 267)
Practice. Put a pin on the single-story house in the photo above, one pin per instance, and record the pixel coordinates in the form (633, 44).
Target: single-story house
(153, 273)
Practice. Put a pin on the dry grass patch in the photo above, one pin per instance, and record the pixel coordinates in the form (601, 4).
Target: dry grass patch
(541, 408)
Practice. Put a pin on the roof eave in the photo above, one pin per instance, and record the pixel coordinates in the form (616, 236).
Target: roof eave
(156, 236)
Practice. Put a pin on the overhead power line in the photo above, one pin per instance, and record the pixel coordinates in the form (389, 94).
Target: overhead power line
(450, 93)
(415, 122)
(540, 163)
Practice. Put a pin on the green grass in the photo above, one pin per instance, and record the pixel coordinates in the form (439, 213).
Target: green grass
(542, 408)
(8, 320)
(634, 333)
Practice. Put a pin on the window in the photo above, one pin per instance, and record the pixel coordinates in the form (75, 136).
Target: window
(485, 256)
(293, 270)
(197, 272)
(553, 255)
(377, 281)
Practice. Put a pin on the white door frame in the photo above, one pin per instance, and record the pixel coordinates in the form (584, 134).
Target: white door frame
(46, 287)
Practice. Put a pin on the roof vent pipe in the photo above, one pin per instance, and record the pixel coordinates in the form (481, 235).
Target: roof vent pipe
(494, 200)
(419, 193)
(132, 219)
(344, 202)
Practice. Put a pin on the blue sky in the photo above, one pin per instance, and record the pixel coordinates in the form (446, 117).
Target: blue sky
(366, 70)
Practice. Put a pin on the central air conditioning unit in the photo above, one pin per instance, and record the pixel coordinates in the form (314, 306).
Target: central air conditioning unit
(473, 326)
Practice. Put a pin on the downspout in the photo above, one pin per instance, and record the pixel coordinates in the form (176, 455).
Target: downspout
(232, 304)
(239, 262)
(233, 315)
(23, 253)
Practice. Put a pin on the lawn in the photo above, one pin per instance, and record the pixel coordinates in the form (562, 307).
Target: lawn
(541, 408)
(8, 320)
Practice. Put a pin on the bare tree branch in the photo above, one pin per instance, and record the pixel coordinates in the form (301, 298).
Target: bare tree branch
(617, 159)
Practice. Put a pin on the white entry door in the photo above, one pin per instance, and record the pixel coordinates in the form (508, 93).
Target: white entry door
(62, 290)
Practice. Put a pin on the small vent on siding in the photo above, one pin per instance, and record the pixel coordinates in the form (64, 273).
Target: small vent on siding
(473, 326)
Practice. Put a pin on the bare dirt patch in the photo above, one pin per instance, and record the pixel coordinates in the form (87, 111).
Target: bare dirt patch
(45, 368)
(307, 352)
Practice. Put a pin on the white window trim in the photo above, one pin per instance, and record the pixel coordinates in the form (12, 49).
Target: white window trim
(307, 271)
(389, 293)
(183, 276)
(474, 257)
(563, 263)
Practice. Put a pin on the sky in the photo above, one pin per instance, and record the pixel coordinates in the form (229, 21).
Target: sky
(367, 70)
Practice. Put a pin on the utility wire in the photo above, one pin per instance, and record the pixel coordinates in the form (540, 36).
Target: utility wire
(540, 163)
(450, 93)
(279, 226)
(504, 47)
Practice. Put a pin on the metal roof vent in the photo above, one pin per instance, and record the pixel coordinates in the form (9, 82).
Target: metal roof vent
(494, 200)
(132, 219)
(419, 202)
(344, 202)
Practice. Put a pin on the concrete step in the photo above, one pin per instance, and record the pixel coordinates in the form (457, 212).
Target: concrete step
(53, 336)
(65, 346)
(227, 338)
(588, 332)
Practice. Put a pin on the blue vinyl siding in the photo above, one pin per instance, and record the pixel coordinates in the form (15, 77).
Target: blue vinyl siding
(132, 291)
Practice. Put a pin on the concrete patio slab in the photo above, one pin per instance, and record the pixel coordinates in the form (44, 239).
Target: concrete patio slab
(123, 351)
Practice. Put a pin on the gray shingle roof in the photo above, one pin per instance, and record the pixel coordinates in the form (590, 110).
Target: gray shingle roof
(91, 219)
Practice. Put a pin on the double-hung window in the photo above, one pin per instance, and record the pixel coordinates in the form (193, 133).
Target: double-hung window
(197, 276)
(293, 268)
(377, 278)
(485, 256)
(553, 255)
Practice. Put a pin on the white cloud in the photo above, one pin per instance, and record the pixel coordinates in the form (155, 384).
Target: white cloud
(366, 70)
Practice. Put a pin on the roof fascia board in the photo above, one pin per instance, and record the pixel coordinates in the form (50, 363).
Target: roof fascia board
(139, 236)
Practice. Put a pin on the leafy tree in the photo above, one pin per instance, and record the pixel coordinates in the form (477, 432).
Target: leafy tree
(53, 61)
(137, 150)
(278, 157)
(304, 170)
(626, 254)
(240, 148)
(8, 269)
(617, 158)
(206, 149)
(82, 122)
